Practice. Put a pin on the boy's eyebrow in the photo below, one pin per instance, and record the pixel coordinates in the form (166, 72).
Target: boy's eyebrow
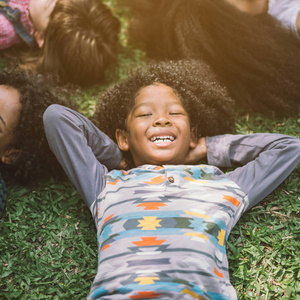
(135, 107)
(141, 104)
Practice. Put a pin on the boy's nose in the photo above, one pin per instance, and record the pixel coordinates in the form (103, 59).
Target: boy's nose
(162, 121)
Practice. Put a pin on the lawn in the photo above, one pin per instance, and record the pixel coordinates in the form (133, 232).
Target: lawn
(48, 244)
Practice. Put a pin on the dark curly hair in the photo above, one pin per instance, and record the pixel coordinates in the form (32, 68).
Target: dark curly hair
(253, 56)
(209, 107)
(36, 94)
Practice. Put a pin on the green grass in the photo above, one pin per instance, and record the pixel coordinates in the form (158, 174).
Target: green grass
(48, 244)
(264, 246)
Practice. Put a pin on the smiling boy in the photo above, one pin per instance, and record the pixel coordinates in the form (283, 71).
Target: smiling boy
(158, 130)
(162, 225)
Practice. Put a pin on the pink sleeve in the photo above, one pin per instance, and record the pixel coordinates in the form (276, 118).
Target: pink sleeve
(8, 36)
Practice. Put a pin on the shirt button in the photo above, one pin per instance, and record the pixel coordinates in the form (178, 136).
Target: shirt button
(171, 179)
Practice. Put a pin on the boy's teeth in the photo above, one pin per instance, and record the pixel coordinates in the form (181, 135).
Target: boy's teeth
(162, 139)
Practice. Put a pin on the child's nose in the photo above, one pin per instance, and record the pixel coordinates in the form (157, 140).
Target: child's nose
(162, 120)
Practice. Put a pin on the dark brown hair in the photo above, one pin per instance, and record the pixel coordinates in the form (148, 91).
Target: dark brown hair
(254, 57)
(81, 41)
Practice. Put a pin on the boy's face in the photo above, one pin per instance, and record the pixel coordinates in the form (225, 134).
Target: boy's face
(158, 128)
(10, 108)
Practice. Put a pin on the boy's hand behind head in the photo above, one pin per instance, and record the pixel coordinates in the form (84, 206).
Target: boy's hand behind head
(197, 152)
(123, 165)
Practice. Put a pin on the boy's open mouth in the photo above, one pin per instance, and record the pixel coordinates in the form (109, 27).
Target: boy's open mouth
(162, 139)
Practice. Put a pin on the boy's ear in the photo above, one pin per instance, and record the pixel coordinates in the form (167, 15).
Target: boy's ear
(194, 138)
(122, 139)
(10, 156)
(39, 37)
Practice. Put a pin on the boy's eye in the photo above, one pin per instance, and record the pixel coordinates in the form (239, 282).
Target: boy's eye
(143, 115)
(176, 113)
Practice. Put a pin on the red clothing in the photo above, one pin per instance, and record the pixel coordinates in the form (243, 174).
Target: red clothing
(8, 36)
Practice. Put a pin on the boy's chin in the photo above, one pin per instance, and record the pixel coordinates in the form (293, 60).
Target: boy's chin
(171, 161)
(159, 160)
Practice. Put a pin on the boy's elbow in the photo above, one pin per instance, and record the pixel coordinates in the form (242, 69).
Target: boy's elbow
(295, 149)
(53, 114)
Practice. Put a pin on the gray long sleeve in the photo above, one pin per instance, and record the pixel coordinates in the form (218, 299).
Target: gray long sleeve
(81, 148)
(267, 160)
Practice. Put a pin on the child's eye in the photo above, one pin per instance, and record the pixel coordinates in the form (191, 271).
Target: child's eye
(143, 115)
(176, 113)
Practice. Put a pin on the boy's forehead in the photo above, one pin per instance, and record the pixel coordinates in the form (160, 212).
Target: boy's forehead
(156, 92)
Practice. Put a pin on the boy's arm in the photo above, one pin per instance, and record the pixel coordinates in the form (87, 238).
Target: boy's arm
(81, 148)
(267, 158)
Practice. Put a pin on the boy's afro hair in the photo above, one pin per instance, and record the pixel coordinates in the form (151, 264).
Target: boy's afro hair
(210, 109)
(36, 94)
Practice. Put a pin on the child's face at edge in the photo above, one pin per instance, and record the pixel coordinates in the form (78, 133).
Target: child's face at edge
(40, 11)
(10, 108)
(158, 128)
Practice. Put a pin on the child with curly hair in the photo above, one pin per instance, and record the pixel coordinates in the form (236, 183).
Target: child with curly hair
(162, 225)
(76, 39)
(24, 152)
(256, 58)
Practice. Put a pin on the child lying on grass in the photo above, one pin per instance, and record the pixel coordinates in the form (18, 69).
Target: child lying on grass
(162, 225)
(24, 152)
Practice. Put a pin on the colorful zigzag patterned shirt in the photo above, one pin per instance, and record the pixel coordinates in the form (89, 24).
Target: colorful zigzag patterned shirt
(162, 233)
